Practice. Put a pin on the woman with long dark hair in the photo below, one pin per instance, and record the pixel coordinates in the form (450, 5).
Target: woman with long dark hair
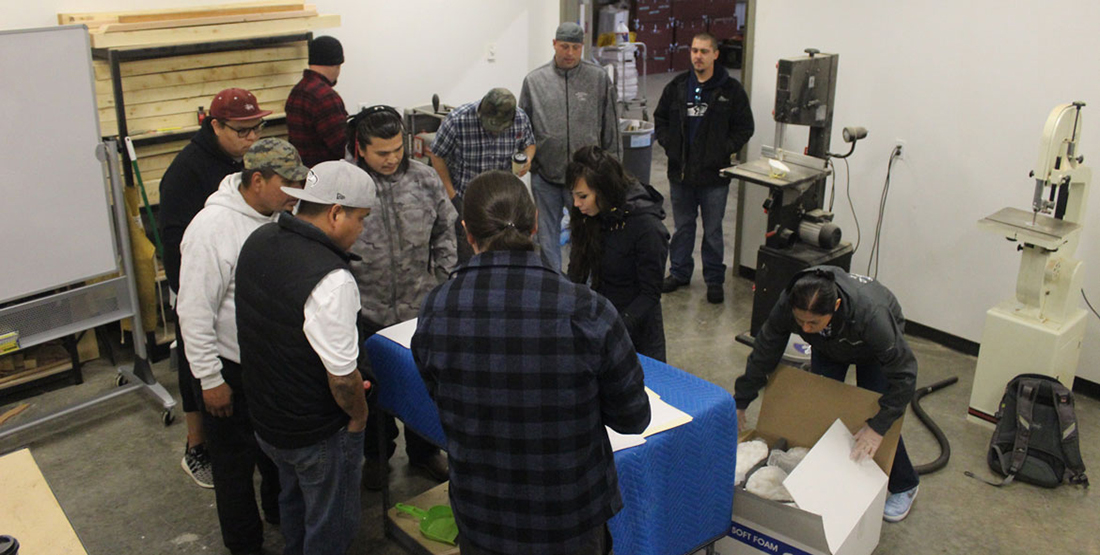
(620, 245)
(526, 368)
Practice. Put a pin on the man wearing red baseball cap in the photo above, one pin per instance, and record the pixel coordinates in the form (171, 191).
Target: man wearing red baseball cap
(214, 152)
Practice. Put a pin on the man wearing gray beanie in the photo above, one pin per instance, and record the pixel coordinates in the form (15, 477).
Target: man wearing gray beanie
(316, 120)
(572, 104)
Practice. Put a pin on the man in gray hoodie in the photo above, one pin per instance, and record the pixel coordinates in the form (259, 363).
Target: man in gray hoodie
(207, 318)
(571, 104)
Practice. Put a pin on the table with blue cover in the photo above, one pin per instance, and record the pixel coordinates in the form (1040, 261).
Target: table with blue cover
(677, 488)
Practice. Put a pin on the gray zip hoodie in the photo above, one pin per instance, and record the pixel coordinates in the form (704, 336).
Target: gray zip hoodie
(569, 109)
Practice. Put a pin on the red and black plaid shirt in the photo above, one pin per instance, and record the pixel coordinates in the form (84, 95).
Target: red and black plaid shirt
(316, 119)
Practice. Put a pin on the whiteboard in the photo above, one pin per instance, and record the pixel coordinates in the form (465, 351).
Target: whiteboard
(55, 225)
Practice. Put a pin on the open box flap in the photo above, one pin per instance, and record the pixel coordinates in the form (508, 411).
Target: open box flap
(800, 407)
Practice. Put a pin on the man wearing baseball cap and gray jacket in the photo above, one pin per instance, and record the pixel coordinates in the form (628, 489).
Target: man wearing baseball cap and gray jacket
(297, 304)
(207, 321)
(571, 104)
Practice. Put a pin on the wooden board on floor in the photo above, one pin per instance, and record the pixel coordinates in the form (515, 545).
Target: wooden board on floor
(31, 512)
(207, 33)
(293, 51)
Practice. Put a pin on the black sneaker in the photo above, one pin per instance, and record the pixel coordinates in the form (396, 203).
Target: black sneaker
(196, 463)
(715, 293)
(435, 466)
(672, 283)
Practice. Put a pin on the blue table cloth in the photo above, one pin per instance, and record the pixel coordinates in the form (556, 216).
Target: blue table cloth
(677, 488)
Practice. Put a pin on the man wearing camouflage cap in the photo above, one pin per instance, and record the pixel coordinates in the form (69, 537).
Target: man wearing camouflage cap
(207, 312)
(475, 138)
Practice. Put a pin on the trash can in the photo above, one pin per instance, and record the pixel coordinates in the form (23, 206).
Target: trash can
(637, 147)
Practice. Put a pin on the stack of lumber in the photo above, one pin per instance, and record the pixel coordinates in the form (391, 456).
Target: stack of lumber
(163, 95)
(199, 24)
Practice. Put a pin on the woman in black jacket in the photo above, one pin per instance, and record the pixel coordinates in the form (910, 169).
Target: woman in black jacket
(619, 244)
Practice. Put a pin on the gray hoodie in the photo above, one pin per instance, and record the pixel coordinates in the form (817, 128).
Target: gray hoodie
(569, 109)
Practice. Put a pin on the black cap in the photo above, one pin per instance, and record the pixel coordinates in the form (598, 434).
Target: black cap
(325, 51)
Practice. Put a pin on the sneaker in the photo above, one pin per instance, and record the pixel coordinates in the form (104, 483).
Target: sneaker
(196, 463)
(435, 466)
(898, 505)
(715, 293)
(672, 283)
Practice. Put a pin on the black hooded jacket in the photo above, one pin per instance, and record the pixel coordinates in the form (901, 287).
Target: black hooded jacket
(867, 327)
(726, 127)
(635, 249)
(192, 177)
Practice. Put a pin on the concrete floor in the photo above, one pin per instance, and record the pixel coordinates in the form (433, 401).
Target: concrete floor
(115, 468)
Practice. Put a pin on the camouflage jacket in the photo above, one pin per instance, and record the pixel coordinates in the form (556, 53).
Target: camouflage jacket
(407, 245)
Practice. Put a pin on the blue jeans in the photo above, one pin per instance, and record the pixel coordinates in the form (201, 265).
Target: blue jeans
(687, 202)
(320, 503)
(550, 200)
(869, 375)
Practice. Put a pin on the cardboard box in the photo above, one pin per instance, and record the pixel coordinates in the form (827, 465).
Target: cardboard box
(801, 407)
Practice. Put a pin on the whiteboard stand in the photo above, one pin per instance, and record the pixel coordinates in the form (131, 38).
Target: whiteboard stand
(88, 306)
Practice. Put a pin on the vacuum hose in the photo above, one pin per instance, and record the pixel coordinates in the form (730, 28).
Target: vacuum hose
(945, 446)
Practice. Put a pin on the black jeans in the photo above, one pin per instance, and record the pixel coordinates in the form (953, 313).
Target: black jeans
(234, 456)
(869, 375)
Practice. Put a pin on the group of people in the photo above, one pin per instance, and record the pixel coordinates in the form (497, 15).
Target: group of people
(285, 256)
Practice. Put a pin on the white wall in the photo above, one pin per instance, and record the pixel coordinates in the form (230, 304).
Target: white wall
(396, 53)
(968, 86)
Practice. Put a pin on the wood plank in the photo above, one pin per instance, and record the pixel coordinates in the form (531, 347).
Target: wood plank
(149, 164)
(175, 122)
(207, 90)
(203, 75)
(292, 51)
(13, 413)
(220, 11)
(198, 21)
(80, 17)
(187, 105)
(229, 31)
(34, 515)
(163, 148)
(34, 374)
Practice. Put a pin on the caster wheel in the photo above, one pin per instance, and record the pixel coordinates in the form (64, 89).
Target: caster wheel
(168, 418)
(121, 380)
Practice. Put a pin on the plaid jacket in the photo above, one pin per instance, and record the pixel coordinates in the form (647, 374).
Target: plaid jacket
(470, 150)
(526, 369)
(316, 120)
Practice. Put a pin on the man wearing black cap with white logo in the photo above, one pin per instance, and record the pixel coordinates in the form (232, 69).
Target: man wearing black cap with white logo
(297, 304)
(315, 114)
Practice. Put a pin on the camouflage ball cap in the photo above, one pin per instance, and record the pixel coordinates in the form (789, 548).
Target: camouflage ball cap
(497, 110)
(278, 156)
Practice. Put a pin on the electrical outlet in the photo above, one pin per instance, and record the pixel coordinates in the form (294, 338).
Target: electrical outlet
(901, 149)
(491, 52)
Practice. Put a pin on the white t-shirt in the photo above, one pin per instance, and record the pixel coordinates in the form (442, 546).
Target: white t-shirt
(330, 315)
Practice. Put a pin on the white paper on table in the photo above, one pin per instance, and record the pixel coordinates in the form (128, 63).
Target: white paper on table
(663, 416)
(623, 441)
(401, 334)
(829, 483)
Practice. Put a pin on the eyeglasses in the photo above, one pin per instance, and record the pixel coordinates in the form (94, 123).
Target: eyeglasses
(244, 132)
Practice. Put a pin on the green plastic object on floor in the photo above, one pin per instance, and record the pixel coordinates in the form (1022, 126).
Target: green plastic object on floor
(436, 523)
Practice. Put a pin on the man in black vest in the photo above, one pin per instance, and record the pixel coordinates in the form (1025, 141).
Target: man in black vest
(297, 303)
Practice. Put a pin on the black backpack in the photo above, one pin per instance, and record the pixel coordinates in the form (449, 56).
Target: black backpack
(1036, 437)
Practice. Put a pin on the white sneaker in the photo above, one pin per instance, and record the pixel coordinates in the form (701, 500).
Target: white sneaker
(898, 505)
(196, 463)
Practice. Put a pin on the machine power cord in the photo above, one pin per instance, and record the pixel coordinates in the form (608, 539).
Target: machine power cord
(1086, 297)
(945, 446)
(848, 193)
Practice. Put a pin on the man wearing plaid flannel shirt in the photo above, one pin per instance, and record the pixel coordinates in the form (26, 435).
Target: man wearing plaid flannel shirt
(475, 138)
(526, 368)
